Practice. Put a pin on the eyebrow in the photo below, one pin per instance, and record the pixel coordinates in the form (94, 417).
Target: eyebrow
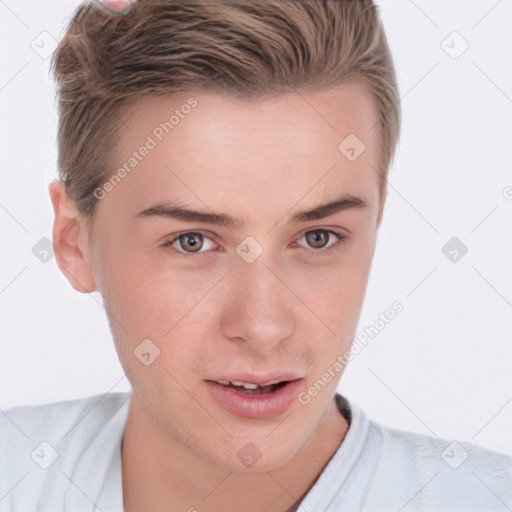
(176, 211)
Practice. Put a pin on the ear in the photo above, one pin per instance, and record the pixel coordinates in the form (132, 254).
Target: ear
(381, 208)
(71, 240)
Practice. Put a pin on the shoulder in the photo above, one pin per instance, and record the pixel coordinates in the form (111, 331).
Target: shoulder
(424, 448)
(62, 422)
(445, 473)
(60, 415)
(40, 444)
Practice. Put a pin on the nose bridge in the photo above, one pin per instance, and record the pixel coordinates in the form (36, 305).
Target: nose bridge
(259, 308)
(260, 286)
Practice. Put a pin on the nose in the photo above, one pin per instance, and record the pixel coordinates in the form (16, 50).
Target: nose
(258, 309)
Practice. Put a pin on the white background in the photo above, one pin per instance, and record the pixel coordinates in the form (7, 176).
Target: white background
(443, 365)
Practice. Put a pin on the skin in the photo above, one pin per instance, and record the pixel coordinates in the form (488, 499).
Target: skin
(291, 309)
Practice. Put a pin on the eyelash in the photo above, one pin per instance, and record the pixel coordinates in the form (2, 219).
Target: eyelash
(318, 252)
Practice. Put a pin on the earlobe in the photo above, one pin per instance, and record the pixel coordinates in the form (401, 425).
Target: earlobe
(71, 240)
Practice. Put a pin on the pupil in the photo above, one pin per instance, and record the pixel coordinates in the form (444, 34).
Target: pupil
(193, 240)
(314, 237)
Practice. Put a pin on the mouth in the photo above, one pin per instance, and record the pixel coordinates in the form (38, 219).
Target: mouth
(249, 399)
(253, 389)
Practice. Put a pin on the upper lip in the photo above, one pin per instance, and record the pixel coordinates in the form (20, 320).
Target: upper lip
(260, 380)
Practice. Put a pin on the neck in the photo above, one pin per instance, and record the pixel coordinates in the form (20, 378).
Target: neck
(160, 474)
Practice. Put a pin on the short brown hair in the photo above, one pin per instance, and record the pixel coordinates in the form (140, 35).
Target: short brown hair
(247, 49)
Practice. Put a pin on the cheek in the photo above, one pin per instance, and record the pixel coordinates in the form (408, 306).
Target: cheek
(338, 302)
(336, 291)
(154, 300)
(151, 299)
(160, 308)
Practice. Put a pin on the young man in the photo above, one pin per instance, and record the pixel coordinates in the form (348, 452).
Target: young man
(223, 176)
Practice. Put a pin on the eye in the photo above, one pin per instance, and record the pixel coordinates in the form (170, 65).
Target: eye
(194, 243)
(322, 240)
(190, 244)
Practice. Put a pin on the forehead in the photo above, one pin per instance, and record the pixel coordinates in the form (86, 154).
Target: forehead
(229, 154)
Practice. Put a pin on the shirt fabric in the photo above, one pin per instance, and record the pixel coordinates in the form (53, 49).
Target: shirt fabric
(66, 456)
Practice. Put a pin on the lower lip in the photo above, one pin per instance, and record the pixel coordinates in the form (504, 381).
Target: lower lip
(255, 406)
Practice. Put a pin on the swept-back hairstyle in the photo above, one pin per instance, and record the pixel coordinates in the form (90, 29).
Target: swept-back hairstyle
(246, 49)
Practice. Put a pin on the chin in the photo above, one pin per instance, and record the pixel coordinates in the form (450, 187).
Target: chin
(258, 453)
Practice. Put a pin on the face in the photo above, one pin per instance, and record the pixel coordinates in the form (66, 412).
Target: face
(251, 288)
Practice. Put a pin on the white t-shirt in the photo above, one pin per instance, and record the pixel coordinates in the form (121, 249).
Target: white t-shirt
(66, 456)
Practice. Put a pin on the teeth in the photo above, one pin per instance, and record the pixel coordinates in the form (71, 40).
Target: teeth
(239, 383)
(247, 385)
